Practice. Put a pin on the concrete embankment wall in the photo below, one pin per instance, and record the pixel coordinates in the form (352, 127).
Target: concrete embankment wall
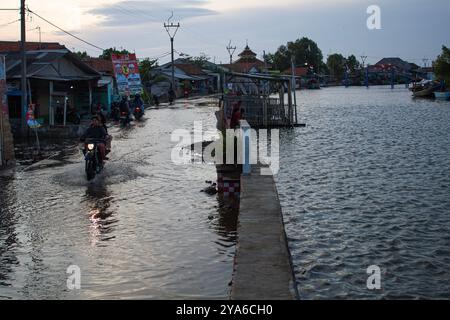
(263, 268)
(6, 141)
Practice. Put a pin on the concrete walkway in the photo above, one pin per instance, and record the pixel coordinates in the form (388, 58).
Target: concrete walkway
(262, 268)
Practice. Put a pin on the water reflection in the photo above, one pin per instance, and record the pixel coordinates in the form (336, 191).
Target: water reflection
(8, 236)
(98, 200)
(224, 223)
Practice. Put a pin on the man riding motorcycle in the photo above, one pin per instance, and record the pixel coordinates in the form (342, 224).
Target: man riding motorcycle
(138, 107)
(138, 102)
(125, 108)
(96, 132)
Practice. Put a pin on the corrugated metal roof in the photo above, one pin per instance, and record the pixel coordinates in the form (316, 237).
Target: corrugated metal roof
(40, 66)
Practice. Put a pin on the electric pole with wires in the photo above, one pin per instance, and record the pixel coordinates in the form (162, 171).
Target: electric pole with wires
(231, 51)
(171, 26)
(23, 85)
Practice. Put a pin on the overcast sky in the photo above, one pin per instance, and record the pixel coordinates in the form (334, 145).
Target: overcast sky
(411, 29)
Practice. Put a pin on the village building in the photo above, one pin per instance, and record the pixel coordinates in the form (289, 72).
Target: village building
(190, 79)
(58, 82)
(107, 86)
(386, 65)
(247, 63)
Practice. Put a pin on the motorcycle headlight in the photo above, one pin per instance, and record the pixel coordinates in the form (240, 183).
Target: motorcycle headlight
(90, 147)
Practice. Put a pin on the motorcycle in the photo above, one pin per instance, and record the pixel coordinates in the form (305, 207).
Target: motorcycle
(115, 112)
(92, 158)
(138, 113)
(124, 119)
(156, 100)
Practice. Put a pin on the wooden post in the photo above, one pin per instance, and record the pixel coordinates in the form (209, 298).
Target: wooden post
(51, 111)
(265, 122)
(290, 101)
(90, 97)
(2, 159)
(29, 91)
(65, 111)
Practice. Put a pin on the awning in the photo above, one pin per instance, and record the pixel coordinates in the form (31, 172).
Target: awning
(103, 82)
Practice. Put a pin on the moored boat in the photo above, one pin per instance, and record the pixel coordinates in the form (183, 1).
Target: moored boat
(426, 89)
(442, 95)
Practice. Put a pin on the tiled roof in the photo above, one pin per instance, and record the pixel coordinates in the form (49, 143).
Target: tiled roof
(299, 71)
(396, 62)
(101, 65)
(190, 69)
(247, 52)
(14, 46)
(245, 67)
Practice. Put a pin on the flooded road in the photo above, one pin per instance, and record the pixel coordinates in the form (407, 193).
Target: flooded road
(140, 230)
(367, 182)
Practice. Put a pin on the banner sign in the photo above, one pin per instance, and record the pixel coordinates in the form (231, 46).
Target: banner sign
(126, 70)
(3, 88)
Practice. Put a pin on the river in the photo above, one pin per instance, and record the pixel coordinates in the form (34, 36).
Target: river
(367, 183)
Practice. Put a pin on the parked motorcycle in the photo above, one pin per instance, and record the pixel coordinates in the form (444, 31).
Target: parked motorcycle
(92, 158)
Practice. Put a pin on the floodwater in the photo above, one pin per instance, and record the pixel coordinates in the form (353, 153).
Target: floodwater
(367, 182)
(141, 230)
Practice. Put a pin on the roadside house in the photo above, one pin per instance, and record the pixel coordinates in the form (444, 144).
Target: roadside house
(190, 79)
(106, 87)
(57, 82)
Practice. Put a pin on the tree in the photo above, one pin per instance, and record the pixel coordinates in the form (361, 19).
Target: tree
(353, 64)
(337, 64)
(280, 60)
(200, 60)
(305, 52)
(107, 53)
(442, 66)
(145, 67)
(82, 55)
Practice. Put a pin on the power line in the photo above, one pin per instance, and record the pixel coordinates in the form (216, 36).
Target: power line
(7, 24)
(159, 56)
(70, 34)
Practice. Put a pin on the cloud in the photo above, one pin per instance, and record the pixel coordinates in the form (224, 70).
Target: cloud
(130, 13)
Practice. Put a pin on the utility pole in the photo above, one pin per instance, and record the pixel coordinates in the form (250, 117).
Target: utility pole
(231, 51)
(425, 61)
(23, 85)
(170, 26)
(366, 71)
(363, 58)
(294, 85)
(40, 42)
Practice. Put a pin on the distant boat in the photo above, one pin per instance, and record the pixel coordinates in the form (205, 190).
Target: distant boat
(426, 89)
(442, 95)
